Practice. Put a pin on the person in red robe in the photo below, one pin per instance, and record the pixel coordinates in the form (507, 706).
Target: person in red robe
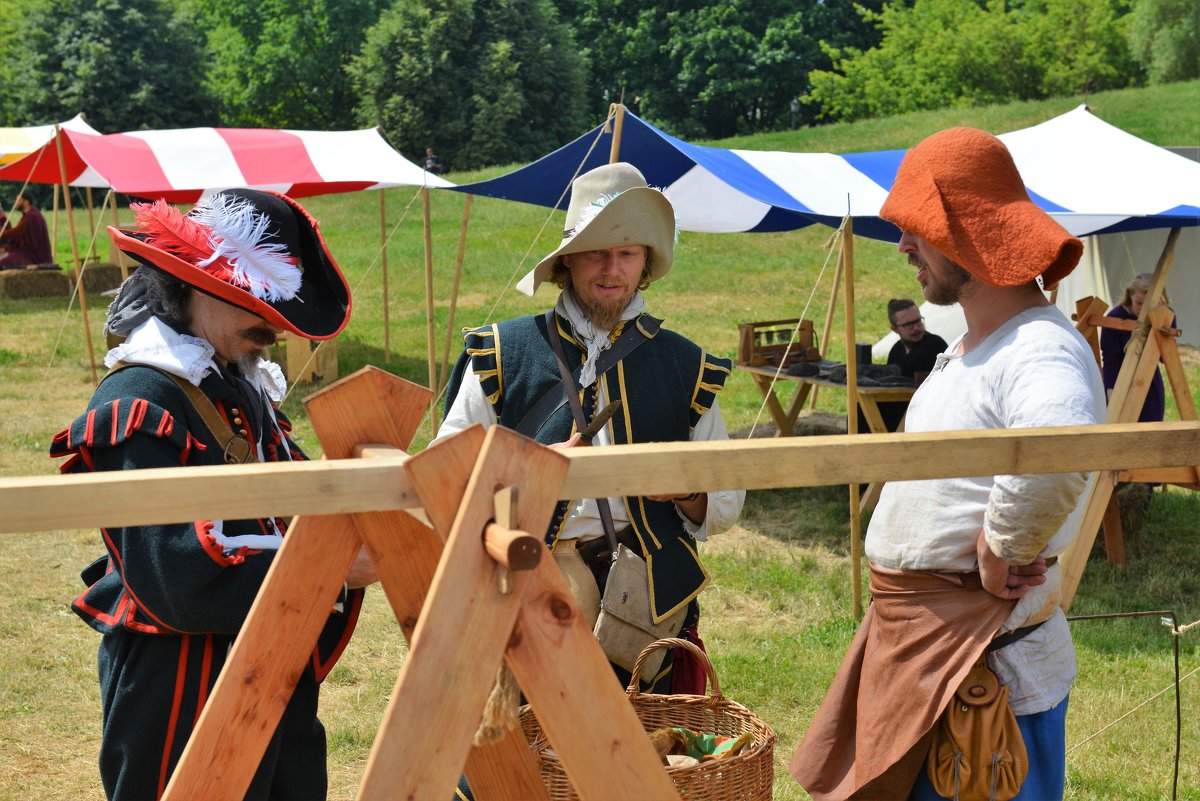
(28, 242)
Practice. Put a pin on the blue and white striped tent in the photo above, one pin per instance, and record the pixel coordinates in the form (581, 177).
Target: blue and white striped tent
(1091, 176)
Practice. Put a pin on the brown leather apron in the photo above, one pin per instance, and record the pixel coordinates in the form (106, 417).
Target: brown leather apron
(916, 643)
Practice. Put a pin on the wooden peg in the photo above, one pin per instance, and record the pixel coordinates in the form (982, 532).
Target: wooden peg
(516, 550)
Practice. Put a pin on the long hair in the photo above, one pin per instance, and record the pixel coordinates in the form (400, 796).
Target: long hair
(148, 292)
(1141, 283)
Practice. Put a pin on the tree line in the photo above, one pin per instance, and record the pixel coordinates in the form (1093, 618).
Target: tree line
(499, 81)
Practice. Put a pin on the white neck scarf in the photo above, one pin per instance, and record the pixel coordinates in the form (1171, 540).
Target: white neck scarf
(594, 339)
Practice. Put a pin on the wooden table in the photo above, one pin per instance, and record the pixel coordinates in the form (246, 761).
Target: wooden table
(869, 398)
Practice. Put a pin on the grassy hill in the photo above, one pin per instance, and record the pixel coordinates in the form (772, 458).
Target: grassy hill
(777, 616)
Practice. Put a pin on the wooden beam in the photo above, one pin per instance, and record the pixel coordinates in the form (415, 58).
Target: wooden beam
(463, 630)
(172, 494)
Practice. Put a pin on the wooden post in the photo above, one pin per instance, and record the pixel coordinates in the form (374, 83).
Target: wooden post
(846, 263)
(444, 375)
(1121, 408)
(383, 238)
(433, 416)
(92, 254)
(79, 288)
(54, 227)
(823, 345)
(614, 152)
(114, 254)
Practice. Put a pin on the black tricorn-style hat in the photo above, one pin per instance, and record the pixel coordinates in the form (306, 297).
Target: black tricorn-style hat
(258, 250)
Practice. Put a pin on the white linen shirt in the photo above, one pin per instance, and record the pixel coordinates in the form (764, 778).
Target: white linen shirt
(1034, 370)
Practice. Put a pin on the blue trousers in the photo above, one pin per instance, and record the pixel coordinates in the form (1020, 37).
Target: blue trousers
(1045, 736)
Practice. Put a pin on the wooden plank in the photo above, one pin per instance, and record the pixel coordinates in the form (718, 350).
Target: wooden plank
(1074, 559)
(387, 409)
(169, 494)
(463, 629)
(1114, 536)
(503, 770)
(819, 461)
(1159, 475)
(293, 604)
(266, 661)
(766, 386)
(578, 701)
(175, 494)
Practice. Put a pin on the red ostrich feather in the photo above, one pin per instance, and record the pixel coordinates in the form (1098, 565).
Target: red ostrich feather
(164, 227)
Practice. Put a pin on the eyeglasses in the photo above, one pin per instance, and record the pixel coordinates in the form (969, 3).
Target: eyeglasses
(908, 325)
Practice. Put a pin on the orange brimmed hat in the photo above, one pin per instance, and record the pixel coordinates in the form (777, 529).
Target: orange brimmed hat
(257, 250)
(960, 191)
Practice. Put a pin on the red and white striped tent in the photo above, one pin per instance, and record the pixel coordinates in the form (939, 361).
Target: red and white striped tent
(180, 165)
(16, 143)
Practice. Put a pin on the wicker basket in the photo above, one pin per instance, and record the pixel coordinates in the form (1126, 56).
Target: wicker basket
(746, 776)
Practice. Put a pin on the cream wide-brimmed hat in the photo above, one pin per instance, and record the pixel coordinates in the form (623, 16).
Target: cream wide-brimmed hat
(611, 206)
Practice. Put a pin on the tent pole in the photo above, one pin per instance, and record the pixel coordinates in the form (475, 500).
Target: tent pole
(114, 252)
(93, 255)
(87, 329)
(614, 153)
(443, 376)
(433, 420)
(833, 296)
(847, 264)
(383, 246)
(54, 228)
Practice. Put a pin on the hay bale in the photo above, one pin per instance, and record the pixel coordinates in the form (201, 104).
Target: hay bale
(18, 284)
(1134, 502)
(101, 278)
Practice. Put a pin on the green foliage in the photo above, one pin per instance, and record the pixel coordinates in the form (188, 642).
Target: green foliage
(938, 53)
(128, 64)
(487, 82)
(1164, 37)
(711, 69)
(282, 63)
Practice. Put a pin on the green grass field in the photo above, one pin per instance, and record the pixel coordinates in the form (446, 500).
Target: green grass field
(777, 618)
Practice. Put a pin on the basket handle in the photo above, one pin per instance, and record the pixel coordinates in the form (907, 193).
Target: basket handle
(635, 676)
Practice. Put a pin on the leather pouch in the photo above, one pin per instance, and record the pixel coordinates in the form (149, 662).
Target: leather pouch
(978, 753)
(625, 626)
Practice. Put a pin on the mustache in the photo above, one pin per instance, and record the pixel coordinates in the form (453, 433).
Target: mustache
(264, 337)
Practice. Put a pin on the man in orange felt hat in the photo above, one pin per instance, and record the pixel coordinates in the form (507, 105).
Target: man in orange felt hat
(189, 386)
(964, 569)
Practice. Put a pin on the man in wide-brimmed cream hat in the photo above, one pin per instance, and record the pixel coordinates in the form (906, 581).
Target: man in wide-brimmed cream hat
(619, 238)
(965, 568)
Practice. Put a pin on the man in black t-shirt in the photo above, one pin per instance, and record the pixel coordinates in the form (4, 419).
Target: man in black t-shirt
(915, 353)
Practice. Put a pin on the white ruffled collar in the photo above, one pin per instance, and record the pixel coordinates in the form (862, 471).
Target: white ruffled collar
(156, 344)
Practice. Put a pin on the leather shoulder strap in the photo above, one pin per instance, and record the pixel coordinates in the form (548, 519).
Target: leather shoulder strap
(235, 449)
(634, 334)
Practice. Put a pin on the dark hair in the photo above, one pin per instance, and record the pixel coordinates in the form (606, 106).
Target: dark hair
(148, 292)
(897, 305)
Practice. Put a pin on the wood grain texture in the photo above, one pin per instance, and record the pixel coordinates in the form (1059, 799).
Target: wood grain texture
(174, 494)
(463, 629)
(266, 661)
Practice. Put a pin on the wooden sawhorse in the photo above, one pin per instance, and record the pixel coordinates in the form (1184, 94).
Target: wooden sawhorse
(463, 603)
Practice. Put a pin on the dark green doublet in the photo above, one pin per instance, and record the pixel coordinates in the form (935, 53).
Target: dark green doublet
(664, 386)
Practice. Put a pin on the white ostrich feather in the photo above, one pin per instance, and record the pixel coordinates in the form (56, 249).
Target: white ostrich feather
(265, 269)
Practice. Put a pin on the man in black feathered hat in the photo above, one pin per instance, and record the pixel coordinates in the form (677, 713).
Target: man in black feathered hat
(190, 386)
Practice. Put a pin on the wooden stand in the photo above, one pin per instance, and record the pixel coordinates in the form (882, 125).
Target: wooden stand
(1152, 341)
(779, 343)
(306, 360)
(461, 610)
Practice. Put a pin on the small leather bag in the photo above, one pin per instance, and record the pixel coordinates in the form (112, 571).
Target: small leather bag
(625, 625)
(978, 753)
